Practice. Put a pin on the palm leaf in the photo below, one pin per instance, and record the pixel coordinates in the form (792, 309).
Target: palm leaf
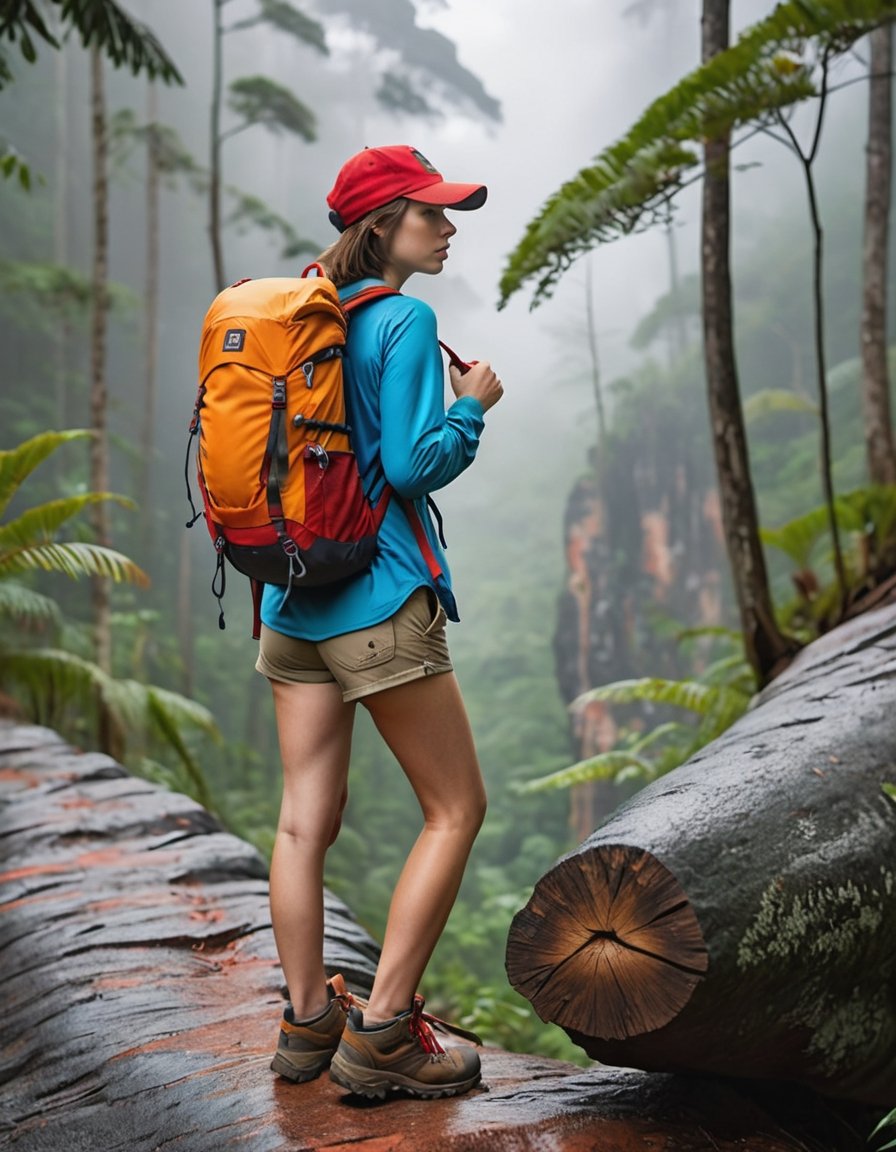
(40, 524)
(74, 560)
(168, 711)
(632, 183)
(123, 40)
(18, 463)
(24, 604)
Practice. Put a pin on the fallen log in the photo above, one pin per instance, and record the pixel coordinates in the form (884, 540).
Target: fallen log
(141, 993)
(739, 914)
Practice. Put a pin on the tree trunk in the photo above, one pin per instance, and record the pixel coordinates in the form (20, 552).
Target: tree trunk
(151, 331)
(875, 374)
(99, 446)
(739, 914)
(214, 167)
(764, 644)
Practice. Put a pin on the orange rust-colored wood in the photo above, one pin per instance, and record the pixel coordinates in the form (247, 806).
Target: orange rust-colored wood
(607, 945)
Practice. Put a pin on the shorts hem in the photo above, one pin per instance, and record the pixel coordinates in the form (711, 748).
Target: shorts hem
(409, 674)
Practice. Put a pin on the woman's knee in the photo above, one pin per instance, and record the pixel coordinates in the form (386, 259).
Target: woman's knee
(463, 812)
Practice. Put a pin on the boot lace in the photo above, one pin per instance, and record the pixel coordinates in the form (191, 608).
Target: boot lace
(421, 1026)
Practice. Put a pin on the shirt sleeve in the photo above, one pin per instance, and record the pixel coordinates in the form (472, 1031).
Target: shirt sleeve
(423, 447)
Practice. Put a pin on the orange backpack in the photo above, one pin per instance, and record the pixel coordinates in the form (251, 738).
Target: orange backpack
(281, 491)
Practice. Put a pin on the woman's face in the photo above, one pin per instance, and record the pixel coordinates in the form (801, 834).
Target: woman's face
(418, 244)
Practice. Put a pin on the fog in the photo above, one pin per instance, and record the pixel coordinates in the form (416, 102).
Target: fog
(570, 78)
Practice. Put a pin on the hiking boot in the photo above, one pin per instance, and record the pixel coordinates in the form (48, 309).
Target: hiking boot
(404, 1055)
(305, 1047)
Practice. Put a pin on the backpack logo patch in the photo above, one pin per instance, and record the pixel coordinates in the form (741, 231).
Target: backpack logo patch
(234, 339)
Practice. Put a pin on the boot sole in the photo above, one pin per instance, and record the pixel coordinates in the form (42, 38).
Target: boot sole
(289, 1071)
(374, 1085)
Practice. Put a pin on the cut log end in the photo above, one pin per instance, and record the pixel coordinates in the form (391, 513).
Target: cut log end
(614, 923)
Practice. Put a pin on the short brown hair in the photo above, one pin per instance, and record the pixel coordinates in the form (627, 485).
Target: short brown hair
(360, 251)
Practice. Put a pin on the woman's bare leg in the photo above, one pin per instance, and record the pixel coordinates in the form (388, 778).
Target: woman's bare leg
(315, 730)
(425, 725)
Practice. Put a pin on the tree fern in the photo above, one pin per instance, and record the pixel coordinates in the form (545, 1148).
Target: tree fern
(631, 184)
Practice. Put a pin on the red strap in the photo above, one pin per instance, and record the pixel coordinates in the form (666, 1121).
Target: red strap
(371, 292)
(455, 359)
(423, 543)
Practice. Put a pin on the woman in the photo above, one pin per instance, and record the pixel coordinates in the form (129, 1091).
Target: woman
(380, 638)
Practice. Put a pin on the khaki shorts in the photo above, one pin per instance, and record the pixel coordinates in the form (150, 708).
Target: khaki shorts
(407, 646)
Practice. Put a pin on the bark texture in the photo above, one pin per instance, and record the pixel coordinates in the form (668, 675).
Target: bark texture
(739, 915)
(765, 646)
(878, 168)
(142, 992)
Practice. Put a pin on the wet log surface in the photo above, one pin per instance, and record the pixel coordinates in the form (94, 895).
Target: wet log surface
(738, 916)
(141, 994)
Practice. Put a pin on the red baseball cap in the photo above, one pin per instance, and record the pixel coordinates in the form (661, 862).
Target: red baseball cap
(377, 176)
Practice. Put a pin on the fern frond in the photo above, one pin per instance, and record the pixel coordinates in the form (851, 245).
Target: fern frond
(19, 462)
(604, 766)
(632, 183)
(688, 694)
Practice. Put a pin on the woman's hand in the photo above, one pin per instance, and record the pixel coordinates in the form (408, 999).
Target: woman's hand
(479, 381)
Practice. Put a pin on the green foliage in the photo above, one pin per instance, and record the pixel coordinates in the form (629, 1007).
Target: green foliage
(398, 94)
(57, 685)
(772, 401)
(13, 165)
(285, 18)
(258, 100)
(631, 184)
(889, 1121)
(866, 518)
(102, 22)
(251, 212)
(645, 757)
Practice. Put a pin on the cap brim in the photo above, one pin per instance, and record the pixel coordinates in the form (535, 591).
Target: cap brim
(461, 196)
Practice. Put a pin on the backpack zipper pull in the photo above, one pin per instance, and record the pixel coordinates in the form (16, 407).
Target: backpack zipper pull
(308, 370)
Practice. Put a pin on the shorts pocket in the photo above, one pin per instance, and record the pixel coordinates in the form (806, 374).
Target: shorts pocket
(366, 648)
(439, 616)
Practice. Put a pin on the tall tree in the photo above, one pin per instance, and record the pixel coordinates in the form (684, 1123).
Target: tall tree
(631, 185)
(254, 100)
(99, 447)
(875, 375)
(764, 644)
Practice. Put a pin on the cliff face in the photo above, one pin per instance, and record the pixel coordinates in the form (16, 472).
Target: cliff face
(644, 549)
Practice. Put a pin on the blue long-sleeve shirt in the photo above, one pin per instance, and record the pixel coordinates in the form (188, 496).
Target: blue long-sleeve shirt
(395, 397)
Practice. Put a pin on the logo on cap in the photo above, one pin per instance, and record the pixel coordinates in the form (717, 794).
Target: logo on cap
(423, 162)
(234, 339)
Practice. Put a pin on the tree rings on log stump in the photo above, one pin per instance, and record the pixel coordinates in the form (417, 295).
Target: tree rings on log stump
(615, 920)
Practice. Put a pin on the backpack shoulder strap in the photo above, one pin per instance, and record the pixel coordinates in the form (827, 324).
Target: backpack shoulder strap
(366, 295)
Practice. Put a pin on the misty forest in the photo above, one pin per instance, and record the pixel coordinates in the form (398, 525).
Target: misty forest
(690, 488)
